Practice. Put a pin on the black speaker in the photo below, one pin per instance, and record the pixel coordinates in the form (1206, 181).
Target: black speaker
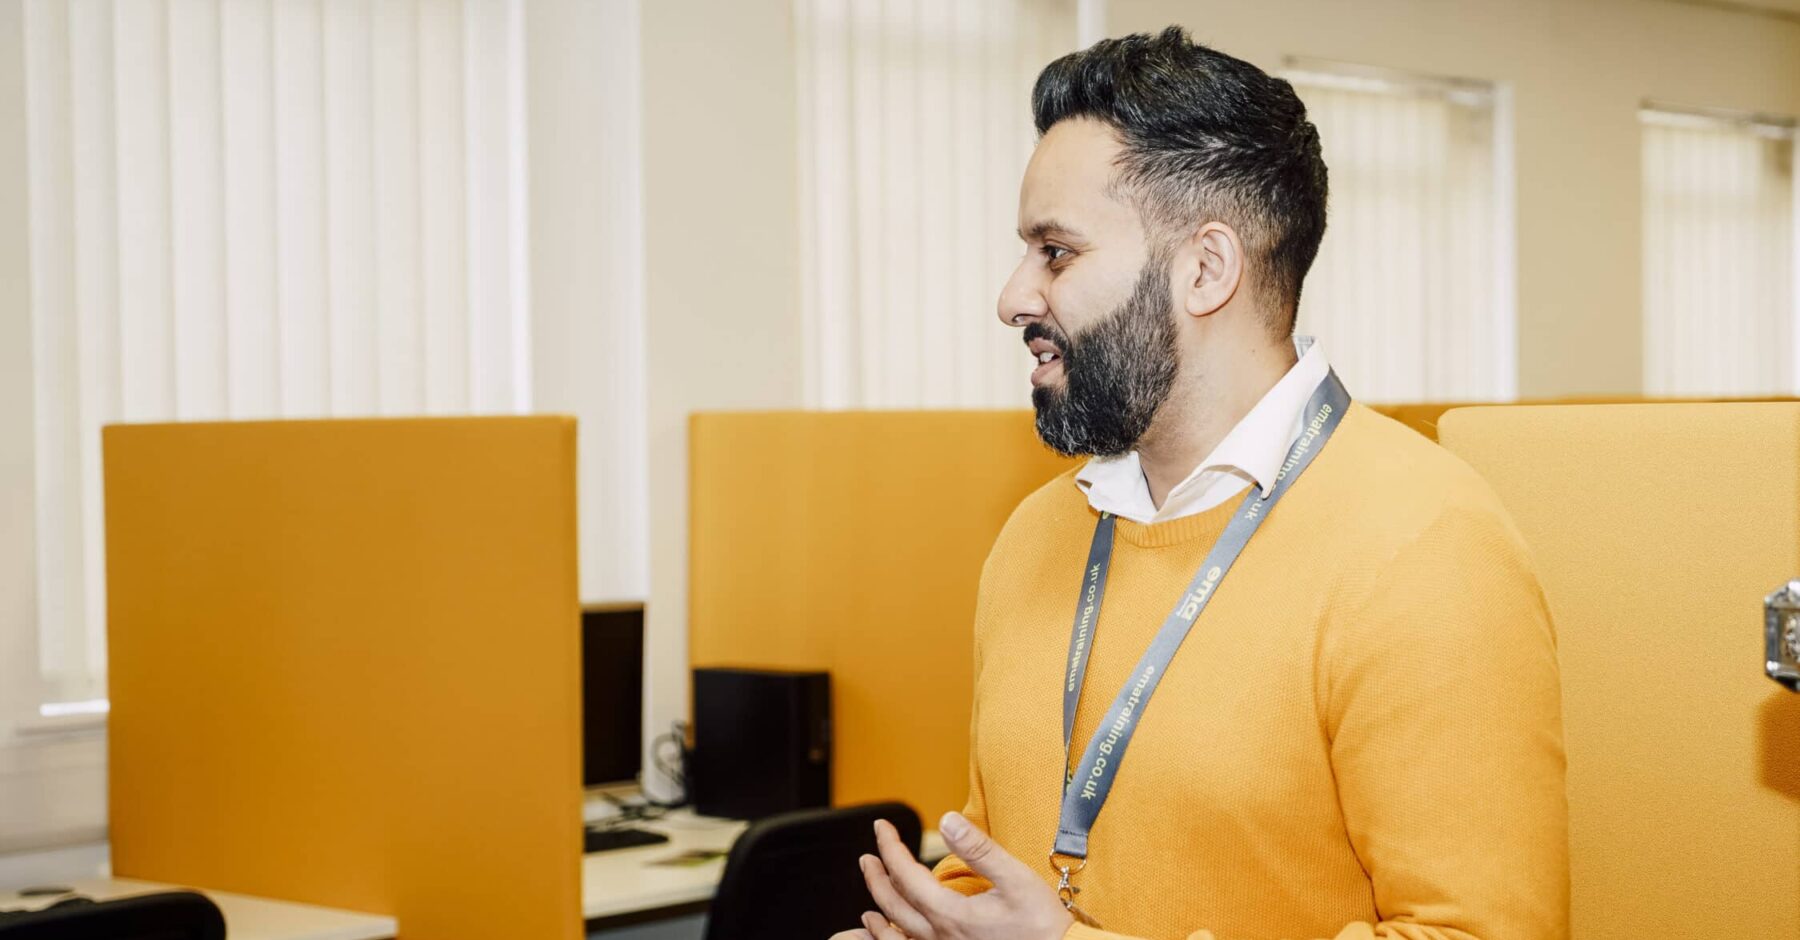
(762, 742)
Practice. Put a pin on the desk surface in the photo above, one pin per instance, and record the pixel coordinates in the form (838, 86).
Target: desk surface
(628, 881)
(246, 918)
(620, 882)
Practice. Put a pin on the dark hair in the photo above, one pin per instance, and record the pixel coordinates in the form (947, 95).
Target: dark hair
(1206, 136)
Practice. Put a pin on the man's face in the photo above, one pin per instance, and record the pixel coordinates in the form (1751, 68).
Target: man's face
(1093, 298)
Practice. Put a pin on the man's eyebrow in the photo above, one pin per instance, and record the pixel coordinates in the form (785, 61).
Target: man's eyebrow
(1048, 227)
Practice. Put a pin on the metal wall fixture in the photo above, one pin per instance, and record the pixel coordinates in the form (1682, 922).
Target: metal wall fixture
(1781, 635)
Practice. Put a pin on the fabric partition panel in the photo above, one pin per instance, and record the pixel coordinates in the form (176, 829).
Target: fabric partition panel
(346, 667)
(853, 542)
(1423, 417)
(1657, 531)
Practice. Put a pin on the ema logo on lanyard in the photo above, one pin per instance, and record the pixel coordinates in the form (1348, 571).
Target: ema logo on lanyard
(1190, 607)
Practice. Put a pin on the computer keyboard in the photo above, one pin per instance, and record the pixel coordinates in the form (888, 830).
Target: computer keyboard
(608, 838)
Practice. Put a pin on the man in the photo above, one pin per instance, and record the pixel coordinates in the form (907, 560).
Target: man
(1360, 736)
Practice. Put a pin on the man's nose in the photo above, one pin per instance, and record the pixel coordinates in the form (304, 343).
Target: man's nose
(1021, 300)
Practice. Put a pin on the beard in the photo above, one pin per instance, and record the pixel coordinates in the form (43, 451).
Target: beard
(1116, 373)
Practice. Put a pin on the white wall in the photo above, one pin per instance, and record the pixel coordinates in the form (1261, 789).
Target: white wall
(587, 269)
(52, 787)
(722, 228)
(18, 562)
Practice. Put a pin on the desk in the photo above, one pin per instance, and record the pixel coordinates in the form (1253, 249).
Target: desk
(246, 918)
(626, 881)
(616, 887)
(623, 885)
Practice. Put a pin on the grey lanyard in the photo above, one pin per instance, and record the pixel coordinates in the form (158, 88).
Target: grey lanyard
(1086, 787)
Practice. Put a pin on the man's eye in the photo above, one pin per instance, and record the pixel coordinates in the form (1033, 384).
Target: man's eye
(1054, 253)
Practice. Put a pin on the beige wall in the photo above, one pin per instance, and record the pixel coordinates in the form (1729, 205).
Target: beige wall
(18, 560)
(1578, 70)
(722, 276)
(587, 305)
(52, 787)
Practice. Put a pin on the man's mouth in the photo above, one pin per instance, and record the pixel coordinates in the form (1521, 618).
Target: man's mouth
(1049, 360)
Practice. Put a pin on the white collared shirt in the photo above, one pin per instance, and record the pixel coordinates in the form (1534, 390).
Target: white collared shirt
(1252, 453)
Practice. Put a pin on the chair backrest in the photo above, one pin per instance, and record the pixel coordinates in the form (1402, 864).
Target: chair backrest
(171, 915)
(1657, 530)
(795, 877)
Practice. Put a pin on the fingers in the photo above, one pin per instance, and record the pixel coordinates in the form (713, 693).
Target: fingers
(913, 881)
(851, 935)
(985, 856)
(881, 888)
(879, 928)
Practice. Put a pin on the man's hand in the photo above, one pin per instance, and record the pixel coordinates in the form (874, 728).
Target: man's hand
(916, 907)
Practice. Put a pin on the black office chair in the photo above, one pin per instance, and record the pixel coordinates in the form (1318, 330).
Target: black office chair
(170, 915)
(795, 877)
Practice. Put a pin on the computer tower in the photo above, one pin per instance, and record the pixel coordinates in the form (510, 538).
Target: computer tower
(762, 742)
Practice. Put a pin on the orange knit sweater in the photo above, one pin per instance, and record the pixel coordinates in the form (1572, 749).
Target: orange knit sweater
(1361, 737)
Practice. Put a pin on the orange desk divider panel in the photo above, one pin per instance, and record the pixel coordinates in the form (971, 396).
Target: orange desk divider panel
(1657, 531)
(345, 667)
(853, 542)
(1423, 417)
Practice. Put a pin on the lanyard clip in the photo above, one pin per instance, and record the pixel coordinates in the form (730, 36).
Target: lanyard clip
(1066, 891)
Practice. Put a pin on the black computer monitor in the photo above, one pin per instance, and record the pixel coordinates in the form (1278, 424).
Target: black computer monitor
(612, 694)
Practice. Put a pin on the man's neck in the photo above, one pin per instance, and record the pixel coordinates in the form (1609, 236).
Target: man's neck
(1206, 403)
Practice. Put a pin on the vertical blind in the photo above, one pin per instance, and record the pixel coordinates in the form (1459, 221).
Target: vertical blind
(258, 209)
(1718, 255)
(915, 127)
(1412, 292)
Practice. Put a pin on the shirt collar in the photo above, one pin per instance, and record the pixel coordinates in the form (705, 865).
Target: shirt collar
(1253, 451)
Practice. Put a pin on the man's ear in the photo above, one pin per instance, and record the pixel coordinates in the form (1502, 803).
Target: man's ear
(1210, 268)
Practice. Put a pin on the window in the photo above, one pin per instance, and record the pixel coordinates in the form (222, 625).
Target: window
(915, 127)
(294, 208)
(258, 210)
(1719, 269)
(1412, 292)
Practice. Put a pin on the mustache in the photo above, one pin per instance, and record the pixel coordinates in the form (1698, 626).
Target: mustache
(1039, 329)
